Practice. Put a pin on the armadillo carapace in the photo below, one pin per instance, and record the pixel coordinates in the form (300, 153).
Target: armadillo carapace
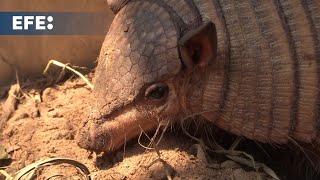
(251, 67)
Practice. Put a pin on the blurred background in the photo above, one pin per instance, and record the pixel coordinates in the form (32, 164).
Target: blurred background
(29, 54)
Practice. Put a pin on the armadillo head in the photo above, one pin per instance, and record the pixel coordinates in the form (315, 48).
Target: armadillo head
(141, 79)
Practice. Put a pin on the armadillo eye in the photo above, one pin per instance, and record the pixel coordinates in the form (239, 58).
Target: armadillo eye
(157, 91)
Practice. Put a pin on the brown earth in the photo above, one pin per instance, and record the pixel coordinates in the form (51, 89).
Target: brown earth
(45, 125)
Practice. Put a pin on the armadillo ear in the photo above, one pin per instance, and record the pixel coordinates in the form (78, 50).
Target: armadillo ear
(199, 46)
(117, 5)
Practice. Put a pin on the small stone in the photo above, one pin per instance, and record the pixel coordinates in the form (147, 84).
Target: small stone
(34, 113)
(229, 164)
(47, 94)
(55, 114)
(10, 132)
(240, 174)
(63, 134)
(158, 170)
(52, 150)
(13, 148)
(37, 98)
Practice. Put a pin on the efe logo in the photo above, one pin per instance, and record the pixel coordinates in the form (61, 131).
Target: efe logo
(37, 22)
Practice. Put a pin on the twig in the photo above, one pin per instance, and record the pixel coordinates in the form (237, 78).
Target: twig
(8, 176)
(154, 146)
(57, 63)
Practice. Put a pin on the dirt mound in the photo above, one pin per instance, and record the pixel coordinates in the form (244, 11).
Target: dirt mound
(45, 125)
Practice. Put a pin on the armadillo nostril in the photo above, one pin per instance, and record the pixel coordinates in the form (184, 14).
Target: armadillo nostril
(93, 142)
(84, 140)
(100, 142)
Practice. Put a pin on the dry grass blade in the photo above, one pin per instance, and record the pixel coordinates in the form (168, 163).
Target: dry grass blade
(154, 146)
(237, 156)
(8, 176)
(248, 160)
(29, 171)
(3, 154)
(66, 66)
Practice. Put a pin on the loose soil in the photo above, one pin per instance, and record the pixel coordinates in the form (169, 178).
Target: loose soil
(45, 124)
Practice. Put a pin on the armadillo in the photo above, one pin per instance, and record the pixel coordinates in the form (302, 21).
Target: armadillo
(251, 67)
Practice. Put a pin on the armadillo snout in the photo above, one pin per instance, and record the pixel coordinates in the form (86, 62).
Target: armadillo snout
(93, 143)
(91, 138)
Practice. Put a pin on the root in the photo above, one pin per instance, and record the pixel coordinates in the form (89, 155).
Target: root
(10, 105)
